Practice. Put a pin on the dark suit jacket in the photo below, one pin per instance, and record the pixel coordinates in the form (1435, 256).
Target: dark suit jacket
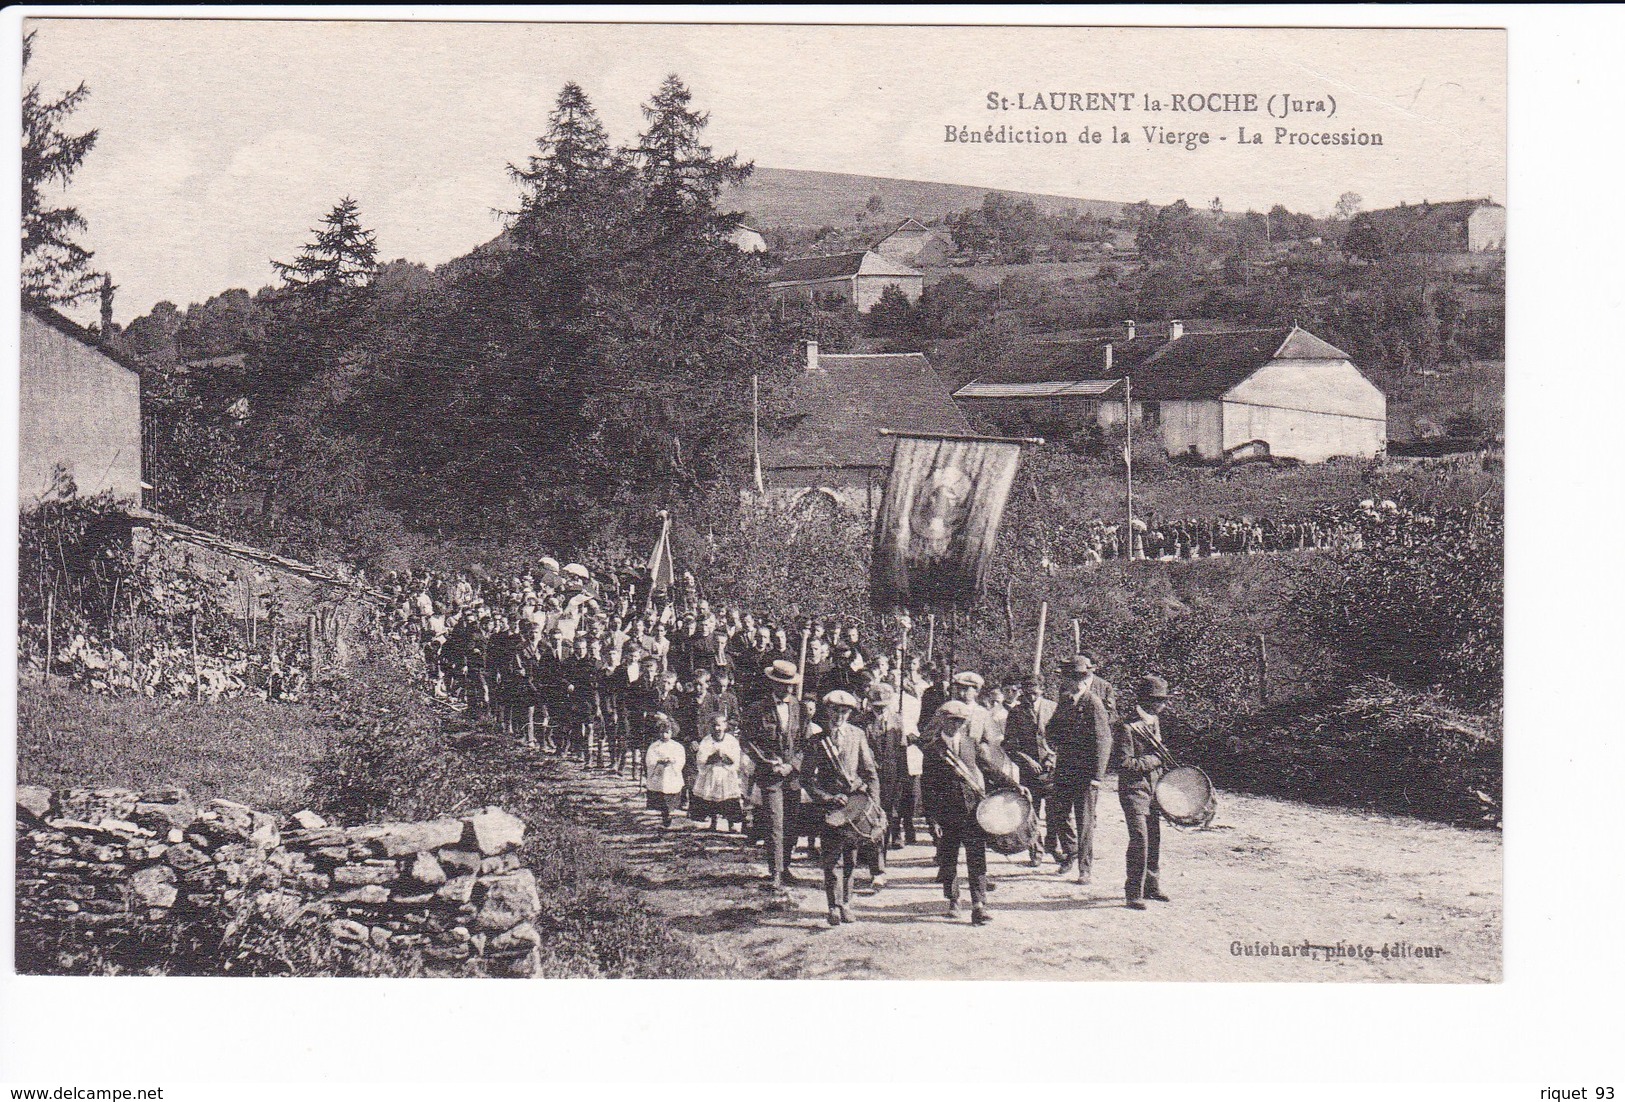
(824, 779)
(1025, 727)
(946, 796)
(770, 742)
(1081, 734)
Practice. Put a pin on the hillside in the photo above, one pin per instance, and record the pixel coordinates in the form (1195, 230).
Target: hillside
(795, 199)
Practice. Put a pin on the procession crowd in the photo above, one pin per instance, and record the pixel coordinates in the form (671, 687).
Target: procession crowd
(1203, 537)
(787, 732)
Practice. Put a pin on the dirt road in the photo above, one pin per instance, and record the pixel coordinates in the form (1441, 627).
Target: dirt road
(1273, 892)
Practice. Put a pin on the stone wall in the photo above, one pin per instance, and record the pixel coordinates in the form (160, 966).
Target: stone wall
(101, 865)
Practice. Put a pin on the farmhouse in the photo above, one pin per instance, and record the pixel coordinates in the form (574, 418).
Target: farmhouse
(857, 278)
(1211, 396)
(830, 446)
(915, 244)
(80, 410)
(1463, 226)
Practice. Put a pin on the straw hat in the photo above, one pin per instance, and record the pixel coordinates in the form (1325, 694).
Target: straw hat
(783, 672)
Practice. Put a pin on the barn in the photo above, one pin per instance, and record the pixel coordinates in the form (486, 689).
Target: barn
(1210, 395)
(830, 448)
(80, 410)
(856, 278)
(915, 244)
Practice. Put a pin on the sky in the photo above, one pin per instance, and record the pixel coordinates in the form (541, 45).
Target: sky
(224, 141)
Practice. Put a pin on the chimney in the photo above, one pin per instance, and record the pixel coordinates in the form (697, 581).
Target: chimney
(1176, 329)
(1108, 357)
(812, 355)
(1128, 327)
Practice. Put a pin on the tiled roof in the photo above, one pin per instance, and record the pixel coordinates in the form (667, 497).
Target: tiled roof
(1083, 388)
(807, 268)
(1206, 365)
(843, 403)
(1197, 365)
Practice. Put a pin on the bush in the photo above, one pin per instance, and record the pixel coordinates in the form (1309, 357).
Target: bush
(1382, 747)
(1419, 602)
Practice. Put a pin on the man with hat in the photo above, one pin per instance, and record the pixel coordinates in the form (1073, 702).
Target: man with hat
(1027, 743)
(1139, 766)
(839, 768)
(953, 782)
(1080, 731)
(773, 741)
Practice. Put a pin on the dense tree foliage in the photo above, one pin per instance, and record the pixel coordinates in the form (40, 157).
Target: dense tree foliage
(55, 266)
(597, 353)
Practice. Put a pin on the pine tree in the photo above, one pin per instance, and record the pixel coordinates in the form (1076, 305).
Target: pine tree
(342, 258)
(575, 162)
(55, 267)
(682, 177)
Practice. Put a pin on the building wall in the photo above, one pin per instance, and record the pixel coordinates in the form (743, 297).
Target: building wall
(806, 292)
(80, 409)
(916, 249)
(1487, 229)
(1309, 410)
(805, 491)
(870, 288)
(1311, 437)
(1192, 426)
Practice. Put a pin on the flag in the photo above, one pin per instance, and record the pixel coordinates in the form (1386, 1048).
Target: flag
(939, 518)
(661, 573)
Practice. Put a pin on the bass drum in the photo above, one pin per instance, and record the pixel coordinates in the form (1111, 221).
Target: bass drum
(1187, 797)
(1009, 818)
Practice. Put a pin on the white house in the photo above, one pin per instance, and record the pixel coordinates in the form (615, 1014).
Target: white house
(1209, 395)
(748, 240)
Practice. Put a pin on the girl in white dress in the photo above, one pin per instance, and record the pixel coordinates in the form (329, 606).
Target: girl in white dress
(663, 769)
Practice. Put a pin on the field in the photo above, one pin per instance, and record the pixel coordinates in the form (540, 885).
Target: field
(791, 198)
(985, 276)
(245, 750)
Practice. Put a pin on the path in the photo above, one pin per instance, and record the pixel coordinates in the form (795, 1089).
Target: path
(1269, 872)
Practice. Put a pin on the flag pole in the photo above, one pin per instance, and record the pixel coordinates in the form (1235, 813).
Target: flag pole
(1128, 460)
(756, 431)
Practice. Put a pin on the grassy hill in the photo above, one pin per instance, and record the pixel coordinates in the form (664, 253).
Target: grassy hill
(790, 198)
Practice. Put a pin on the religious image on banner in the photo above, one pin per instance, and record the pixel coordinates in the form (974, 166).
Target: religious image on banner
(939, 519)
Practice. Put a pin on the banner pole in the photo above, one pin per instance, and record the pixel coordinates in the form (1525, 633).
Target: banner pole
(1128, 459)
(801, 664)
(1038, 648)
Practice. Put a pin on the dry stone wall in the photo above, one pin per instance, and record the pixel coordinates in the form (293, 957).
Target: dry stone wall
(99, 864)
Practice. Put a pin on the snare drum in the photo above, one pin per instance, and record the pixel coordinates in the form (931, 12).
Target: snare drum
(1187, 797)
(859, 822)
(1009, 818)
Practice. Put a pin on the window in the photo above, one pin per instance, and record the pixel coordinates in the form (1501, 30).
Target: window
(1151, 413)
